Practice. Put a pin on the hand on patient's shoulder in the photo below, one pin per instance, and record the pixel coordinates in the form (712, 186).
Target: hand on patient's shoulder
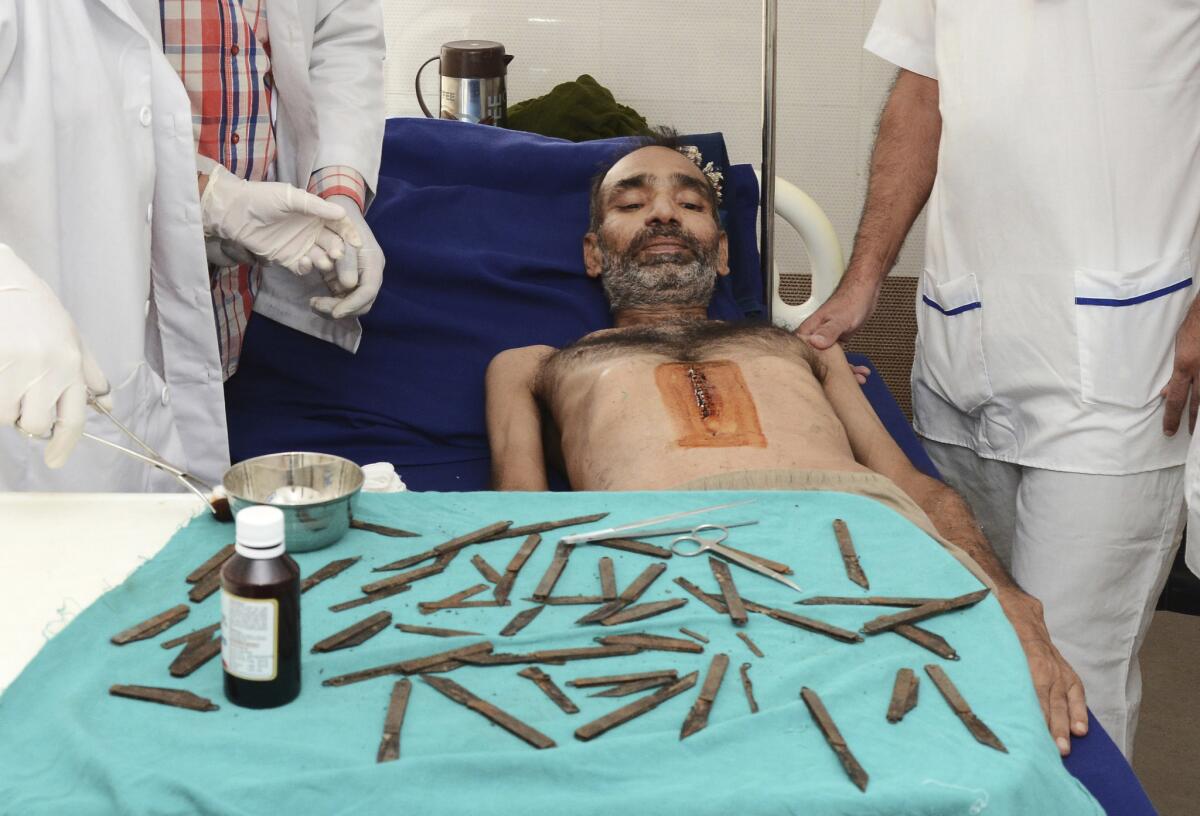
(842, 315)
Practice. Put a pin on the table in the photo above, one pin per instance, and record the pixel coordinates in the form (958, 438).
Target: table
(62, 551)
(82, 545)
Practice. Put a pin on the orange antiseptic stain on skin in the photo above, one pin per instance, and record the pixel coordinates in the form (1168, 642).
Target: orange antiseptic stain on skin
(710, 405)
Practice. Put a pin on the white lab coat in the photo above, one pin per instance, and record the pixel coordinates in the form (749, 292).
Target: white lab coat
(97, 152)
(1062, 228)
(327, 64)
(99, 198)
(331, 111)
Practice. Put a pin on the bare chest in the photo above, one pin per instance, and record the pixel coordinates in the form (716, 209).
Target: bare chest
(727, 397)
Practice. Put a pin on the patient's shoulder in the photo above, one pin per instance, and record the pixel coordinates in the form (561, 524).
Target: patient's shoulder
(518, 363)
(599, 334)
(508, 356)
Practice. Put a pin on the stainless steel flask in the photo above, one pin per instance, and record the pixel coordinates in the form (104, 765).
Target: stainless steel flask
(473, 82)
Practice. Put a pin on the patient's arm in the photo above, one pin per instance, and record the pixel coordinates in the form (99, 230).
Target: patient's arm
(514, 420)
(874, 447)
(1059, 688)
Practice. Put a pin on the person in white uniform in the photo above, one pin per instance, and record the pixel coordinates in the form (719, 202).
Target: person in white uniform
(104, 285)
(1058, 147)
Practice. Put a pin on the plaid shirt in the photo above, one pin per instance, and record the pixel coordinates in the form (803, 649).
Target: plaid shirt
(222, 53)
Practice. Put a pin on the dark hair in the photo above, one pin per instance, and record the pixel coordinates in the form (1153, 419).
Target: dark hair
(658, 137)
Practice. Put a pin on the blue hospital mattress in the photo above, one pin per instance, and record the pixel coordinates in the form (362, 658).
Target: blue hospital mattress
(66, 746)
(483, 233)
(457, 291)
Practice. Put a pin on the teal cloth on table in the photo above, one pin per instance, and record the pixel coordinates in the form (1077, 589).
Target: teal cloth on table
(67, 746)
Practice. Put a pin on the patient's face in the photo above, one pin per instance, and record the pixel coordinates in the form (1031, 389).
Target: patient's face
(659, 242)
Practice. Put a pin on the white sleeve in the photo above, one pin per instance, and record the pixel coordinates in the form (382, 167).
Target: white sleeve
(903, 34)
(8, 34)
(345, 73)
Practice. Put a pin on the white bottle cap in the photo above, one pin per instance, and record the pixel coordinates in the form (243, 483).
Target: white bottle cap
(259, 532)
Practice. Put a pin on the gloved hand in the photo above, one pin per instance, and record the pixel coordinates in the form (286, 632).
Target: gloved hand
(45, 370)
(357, 276)
(276, 222)
(224, 253)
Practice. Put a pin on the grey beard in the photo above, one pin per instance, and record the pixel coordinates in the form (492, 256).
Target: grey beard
(631, 285)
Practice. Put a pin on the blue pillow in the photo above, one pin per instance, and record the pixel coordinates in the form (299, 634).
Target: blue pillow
(483, 230)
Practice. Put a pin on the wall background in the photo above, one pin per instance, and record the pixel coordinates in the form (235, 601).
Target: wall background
(696, 66)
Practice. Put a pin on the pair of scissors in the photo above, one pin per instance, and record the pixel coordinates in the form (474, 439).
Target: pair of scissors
(713, 545)
(637, 527)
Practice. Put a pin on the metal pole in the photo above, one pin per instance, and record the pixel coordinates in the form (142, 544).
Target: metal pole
(767, 205)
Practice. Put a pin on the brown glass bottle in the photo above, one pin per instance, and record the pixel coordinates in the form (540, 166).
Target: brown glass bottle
(260, 614)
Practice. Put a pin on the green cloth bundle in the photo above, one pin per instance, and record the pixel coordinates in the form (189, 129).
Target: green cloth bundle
(577, 111)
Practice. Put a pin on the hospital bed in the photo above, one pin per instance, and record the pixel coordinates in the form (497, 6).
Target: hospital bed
(482, 231)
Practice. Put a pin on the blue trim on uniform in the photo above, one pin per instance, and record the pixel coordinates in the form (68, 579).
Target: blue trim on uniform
(1133, 301)
(951, 312)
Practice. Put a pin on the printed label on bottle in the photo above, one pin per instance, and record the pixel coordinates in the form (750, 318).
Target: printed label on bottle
(249, 637)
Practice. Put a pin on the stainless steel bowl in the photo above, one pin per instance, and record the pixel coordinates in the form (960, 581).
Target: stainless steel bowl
(315, 491)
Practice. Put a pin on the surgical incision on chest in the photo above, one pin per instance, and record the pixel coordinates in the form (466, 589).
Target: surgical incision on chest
(709, 404)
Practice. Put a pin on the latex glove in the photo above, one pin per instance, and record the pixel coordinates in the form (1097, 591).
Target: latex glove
(357, 276)
(45, 370)
(276, 222)
(224, 253)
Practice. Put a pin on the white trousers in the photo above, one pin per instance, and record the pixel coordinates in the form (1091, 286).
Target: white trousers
(1192, 491)
(1095, 550)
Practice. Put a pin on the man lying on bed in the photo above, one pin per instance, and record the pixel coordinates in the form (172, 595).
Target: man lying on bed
(671, 400)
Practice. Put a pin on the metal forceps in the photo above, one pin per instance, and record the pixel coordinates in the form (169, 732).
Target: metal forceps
(713, 545)
(151, 457)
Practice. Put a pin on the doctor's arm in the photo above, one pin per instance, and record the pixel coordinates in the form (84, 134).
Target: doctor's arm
(514, 421)
(1185, 374)
(346, 80)
(269, 221)
(903, 167)
(46, 371)
(1058, 687)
